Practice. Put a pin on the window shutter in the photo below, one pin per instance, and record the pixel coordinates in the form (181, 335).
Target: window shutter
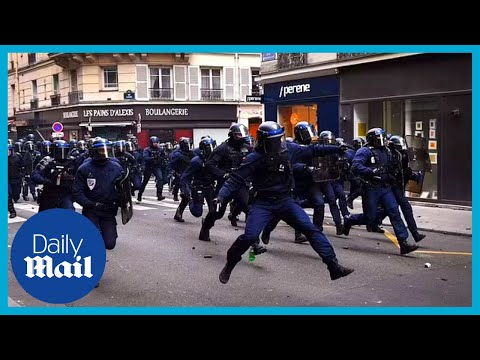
(194, 81)
(245, 83)
(229, 79)
(142, 83)
(180, 82)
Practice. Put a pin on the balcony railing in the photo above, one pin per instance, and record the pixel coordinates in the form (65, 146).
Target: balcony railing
(211, 94)
(162, 94)
(347, 56)
(55, 99)
(291, 60)
(74, 97)
(34, 104)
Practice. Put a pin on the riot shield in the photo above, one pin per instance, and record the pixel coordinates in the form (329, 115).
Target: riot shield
(125, 189)
(418, 161)
(326, 168)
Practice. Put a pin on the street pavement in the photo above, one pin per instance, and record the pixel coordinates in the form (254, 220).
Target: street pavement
(159, 262)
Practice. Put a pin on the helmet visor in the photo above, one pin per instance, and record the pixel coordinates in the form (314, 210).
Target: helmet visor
(102, 151)
(240, 133)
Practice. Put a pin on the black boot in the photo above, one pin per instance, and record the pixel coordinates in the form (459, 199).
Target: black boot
(375, 228)
(347, 226)
(406, 248)
(139, 198)
(13, 214)
(233, 219)
(258, 249)
(178, 215)
(337, 271)
(204, 232)
(339, 229)
(226, 272)
(299, 238)
(265, 236)
(160, 197)
(418, 237)
(25, 197)
(175, 197)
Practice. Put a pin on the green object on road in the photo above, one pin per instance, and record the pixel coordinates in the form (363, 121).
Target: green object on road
(251, 255)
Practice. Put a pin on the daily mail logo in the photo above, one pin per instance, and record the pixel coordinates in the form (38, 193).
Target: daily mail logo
(293, 89)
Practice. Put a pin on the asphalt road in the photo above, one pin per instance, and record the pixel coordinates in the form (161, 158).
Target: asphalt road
(160, 262)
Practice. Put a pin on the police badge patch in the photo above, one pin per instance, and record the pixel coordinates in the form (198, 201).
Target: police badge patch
(91, 183)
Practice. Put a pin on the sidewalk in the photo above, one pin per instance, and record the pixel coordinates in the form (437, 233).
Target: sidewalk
(440, 218)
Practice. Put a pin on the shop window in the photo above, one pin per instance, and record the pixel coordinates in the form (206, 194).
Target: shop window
(289, 116)
(404, 117)
(421, 119)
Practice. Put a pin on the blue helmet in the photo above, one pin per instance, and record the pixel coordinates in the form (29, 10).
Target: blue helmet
(60, 149)
(304, 132)
(376, 137)
(326, 138)
(207, 144)
(269, 137)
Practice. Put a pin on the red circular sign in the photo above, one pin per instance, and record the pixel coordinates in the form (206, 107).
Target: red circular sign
(57, 126)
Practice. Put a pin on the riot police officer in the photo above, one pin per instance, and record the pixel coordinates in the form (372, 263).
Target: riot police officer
(136, 170)
(356, 182)
(398, 146)
(235, 209)
(31, 158)
(15, 166)
(56, 175)
(178, 163)
(270, 169)
(225, 158)
(307, 191)
(375, 163)
(155, 163)
(196, 183)
(95, 189)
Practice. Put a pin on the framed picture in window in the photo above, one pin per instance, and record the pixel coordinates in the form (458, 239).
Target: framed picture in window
(418, 125)
(433, 158)
(433, 124)
(419, 133)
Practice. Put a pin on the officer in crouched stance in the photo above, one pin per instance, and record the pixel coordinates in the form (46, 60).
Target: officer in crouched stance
(270, 170)
(95, 189)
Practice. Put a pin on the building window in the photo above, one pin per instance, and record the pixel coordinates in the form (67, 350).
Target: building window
(161, 83)
(110, 77)
(34, 90)
(12, 87)
(73, 80)
(211, 84)
(32, 58)
(56, 85)
(255, 84)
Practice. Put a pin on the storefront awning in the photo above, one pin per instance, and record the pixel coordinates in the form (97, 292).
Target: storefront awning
(110, 123)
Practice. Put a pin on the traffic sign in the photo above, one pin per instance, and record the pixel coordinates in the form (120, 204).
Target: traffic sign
(58, 134)
(57, 127)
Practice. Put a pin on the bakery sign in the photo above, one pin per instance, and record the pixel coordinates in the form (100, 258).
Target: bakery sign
(107, 112)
